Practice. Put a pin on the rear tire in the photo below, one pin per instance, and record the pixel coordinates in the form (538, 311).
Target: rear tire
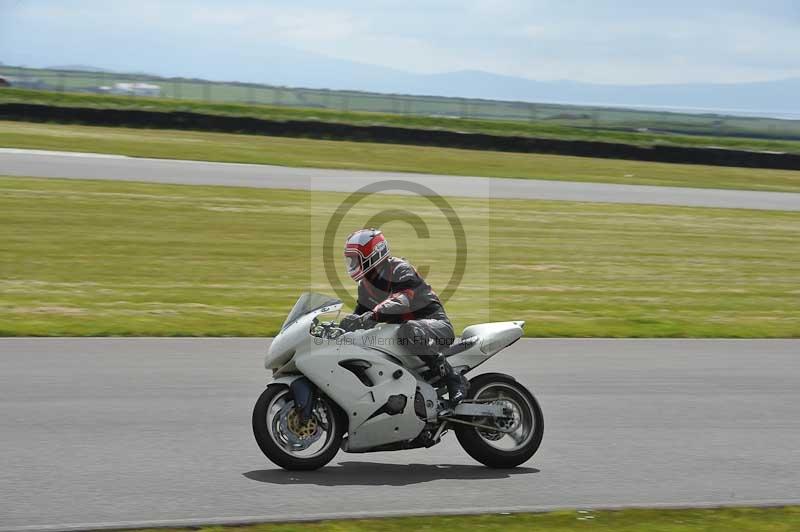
(476, 442)
(264, 430)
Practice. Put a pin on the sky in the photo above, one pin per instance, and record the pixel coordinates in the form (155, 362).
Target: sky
(600, 41)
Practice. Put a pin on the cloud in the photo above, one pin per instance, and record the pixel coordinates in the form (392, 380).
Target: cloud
(620, 41)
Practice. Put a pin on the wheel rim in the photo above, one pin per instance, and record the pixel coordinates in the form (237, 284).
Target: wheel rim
(300, 440)
(515, 431)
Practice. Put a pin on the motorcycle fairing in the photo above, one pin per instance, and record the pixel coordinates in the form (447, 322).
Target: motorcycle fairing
(369, 424)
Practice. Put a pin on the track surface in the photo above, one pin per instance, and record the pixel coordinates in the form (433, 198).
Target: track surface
(121, 432)
(94, 166)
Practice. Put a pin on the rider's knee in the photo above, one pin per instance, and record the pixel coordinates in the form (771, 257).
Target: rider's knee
(413, 337)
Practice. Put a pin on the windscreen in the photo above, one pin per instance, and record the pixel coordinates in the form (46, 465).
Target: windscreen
(308, 302)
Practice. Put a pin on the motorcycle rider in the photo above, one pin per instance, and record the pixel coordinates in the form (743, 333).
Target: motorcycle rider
(390, 290)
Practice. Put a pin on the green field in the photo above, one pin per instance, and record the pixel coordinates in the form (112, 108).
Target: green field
(389, 157)
(541, 114)
(114, 258)
(630, 127)
(780, 519)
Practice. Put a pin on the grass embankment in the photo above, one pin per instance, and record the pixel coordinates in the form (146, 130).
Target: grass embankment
(113, 258)
(372, 156)
(644, 128)
(781, 519)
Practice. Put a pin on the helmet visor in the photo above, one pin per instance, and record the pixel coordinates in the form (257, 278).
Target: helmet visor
(353, 262)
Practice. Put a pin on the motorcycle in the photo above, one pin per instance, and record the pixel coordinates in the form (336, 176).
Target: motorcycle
(363, 391)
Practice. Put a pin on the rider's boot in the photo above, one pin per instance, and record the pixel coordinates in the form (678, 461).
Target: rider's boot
(456, 384)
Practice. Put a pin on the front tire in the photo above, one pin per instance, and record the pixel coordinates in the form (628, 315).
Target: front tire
(500, 449)
(281, 437)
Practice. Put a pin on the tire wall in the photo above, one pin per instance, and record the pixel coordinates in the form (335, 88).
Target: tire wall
(395, 135)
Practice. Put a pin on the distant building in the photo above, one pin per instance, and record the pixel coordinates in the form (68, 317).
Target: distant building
(132, 89)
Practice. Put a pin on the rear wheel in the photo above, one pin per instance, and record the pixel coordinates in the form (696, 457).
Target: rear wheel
(511, 440)
(293, 443)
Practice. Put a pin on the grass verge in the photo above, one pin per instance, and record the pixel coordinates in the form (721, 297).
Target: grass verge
(112, 258)
(778, 519)
(387, 157)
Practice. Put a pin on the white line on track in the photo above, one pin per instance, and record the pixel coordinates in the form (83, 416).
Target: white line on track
(87, 155)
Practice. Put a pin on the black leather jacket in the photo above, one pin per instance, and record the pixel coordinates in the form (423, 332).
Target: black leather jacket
(396, 293)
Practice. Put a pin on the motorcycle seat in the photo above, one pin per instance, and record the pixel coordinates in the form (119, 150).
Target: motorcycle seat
(460, 346)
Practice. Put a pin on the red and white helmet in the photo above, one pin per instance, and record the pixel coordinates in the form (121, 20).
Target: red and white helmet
(363, 251)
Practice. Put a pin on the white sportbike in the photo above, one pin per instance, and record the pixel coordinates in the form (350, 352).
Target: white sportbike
(362, 391)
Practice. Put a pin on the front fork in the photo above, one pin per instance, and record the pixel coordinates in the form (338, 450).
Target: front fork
(304, 394)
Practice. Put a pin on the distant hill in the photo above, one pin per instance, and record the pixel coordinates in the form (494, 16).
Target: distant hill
(277, 65)
(781, 95)
(79, 68)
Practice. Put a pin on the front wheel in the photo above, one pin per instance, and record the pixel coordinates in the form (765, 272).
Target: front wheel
(289, 441)
(517, 437)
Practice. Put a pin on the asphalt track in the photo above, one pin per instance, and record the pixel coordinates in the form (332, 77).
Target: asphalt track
(133, 432)
(71, 165)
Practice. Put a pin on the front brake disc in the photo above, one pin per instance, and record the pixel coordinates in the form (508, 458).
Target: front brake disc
(299, 435)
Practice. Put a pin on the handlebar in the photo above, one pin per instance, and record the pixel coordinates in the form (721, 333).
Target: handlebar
(326, 329)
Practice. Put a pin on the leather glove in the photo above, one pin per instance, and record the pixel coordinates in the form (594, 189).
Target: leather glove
(354, 322)
(367, 320)
(349, 322)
